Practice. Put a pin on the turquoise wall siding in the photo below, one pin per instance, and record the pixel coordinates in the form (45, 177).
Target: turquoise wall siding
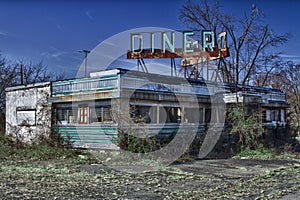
(88, 136)
(105, 136)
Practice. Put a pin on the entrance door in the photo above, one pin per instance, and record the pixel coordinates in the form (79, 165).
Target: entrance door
(83, 115)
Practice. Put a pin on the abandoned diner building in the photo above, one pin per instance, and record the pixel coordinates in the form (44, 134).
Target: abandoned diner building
(88, 111)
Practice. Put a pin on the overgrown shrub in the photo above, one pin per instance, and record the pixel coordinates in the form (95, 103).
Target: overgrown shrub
(135, 144)
(42, 152)
(134, 135)
(247, 127)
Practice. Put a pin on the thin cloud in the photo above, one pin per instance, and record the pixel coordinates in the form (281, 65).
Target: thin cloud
(290, 56)
(3, 33)
(53, 53)
(89, 14)
(59, 27)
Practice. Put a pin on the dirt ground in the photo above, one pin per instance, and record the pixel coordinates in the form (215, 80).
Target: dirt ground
(201, 179)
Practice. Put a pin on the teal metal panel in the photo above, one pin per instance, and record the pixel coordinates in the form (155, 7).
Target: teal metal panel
(106, 136)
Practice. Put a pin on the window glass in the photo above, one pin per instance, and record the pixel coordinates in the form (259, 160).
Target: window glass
(207, 115)
(146, 114)
(192, 115)
(97, 115)
(107, 114)
(169, 115)
(65, 116)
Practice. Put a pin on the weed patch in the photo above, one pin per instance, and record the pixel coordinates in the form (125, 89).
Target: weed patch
(263, 153)
(41, 151)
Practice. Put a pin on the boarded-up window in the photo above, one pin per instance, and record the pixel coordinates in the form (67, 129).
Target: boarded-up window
(26, 117)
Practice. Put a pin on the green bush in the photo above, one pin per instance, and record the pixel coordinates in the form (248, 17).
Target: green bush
(247, 127)
(143, 145)
(138, 145)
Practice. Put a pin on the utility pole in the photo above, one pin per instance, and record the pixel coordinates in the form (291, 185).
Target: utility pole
(21, 74)
(86, 52)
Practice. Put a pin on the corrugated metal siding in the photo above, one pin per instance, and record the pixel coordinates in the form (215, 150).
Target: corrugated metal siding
(105, 136)
(89, 136)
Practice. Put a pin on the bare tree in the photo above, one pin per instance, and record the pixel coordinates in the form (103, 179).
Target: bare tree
(7, 78)
(11, 74)
(289, 79)
(269, 67)
(251, 42)
(36, 73)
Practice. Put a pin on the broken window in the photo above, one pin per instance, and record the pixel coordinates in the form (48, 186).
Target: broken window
(26, 117)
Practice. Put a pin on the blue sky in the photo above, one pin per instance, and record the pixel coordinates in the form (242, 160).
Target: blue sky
(53, 31)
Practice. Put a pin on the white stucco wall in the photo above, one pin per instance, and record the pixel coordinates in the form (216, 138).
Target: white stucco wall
(28, 113)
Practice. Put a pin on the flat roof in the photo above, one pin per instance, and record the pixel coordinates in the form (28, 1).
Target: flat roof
(25, 87)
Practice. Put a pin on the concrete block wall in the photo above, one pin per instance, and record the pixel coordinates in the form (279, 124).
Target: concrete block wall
(28, 112)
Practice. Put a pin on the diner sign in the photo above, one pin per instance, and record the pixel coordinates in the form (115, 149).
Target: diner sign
(216, 47)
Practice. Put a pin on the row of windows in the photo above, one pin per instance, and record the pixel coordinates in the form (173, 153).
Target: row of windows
(162, 114)
(146, 114)
(90, 85)
(83, 115)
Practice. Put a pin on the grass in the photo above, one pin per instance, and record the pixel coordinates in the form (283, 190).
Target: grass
(60, 180)
(263, 153)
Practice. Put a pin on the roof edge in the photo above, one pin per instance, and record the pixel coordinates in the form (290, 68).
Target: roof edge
(24, 87)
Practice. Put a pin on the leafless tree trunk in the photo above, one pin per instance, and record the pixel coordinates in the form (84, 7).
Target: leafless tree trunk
(7, 78)
(290, 81)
